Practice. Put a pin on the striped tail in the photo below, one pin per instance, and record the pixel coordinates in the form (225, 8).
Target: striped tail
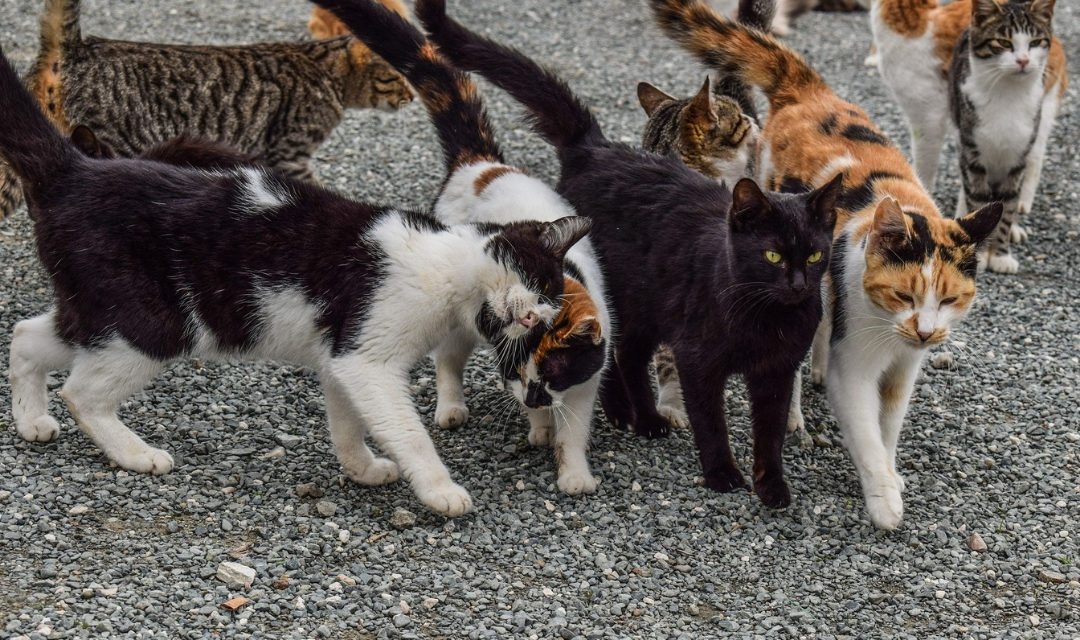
(60, 30)
(555, 111)
(450, 96)
(733, 49)
(31, 145)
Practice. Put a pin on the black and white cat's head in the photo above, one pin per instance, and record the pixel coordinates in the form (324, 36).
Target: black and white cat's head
(522, 298)
(1011, 38)
(781, 243)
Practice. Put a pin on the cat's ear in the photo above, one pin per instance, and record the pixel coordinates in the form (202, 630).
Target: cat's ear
(558, 236)
(980, 224)
(84, 138)
(822, 202)
(588, 326)
(651, 98)
(748, 203)
(701, 107)
(982, 10)
(1042, 9)
(890, 225)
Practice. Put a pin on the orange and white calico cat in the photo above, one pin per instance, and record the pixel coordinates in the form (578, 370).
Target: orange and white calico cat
(900, 276)
(323, 24)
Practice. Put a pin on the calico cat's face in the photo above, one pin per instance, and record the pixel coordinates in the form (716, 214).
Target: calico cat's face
(569, 353)
(1014, 37)
(920, 272)
(710, 133)
(522, 301)
(780, 243)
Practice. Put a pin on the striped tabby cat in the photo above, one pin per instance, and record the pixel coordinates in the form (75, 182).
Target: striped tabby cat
(275, 101)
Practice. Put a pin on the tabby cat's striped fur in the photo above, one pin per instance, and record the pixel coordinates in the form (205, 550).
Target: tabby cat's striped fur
(275, 101)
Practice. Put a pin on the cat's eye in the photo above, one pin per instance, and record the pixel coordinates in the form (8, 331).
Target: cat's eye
(1039, 42)
(814, 257)
(773, 257)
(1004, 44)
(948, 301)
(904, 297)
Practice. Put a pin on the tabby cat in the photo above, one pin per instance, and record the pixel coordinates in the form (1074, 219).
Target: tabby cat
(151, 263)
(916, 41)
(901, 275)
(276, 101)
(729, 279)
(560, 377)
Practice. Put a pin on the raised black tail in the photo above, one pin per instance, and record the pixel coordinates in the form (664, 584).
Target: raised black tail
(450, 96)
(555, 111)
(32, 146)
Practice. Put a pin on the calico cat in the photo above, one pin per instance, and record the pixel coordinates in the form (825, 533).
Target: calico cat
(999, 104)
(787, 10)
(916, 40)
(151, 263)
(901, 275)
(276, 101)
(323, 24)
(728, 279)
(559, 382)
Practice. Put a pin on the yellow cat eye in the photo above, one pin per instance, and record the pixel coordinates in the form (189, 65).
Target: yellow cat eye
(773, 257)
(814, 257)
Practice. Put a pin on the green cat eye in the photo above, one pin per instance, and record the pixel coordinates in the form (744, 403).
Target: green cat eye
(773, 257)
(814, 257)
(1004, 44)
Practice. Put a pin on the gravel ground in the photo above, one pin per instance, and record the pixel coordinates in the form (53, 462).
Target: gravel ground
(89, 550)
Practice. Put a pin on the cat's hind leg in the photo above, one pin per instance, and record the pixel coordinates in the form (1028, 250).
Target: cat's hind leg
(347, 433)
(541, 427)
(633, 356)
(100, 379)
(573, 418)
(35, 350)
(450, 358)
(1034, 164)
(669, 401)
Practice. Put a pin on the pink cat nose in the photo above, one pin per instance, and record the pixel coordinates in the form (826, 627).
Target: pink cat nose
(1023, 62)
(529, 320)
(924, 335)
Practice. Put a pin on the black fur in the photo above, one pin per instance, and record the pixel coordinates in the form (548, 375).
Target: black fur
(685, 265)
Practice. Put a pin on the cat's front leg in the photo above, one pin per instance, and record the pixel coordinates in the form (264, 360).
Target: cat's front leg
(669, 401)
(853, 394)
(380, 393)
(704, 397)
(615, 399)
(897, 384)
(450, 358)
(633, 356)
(770, 398)
(573, 418)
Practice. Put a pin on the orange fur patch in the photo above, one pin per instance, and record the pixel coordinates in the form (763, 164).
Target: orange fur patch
(579, 316)
(484, 180)
(907, 17)
(324, 24)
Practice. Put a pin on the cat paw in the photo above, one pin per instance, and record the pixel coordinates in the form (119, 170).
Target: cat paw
(43, 428)
(541, 435)
(574, 483)
(1017, 233)
(818, 376)
(448, 499)
(725, 481)
(379, 471)
(773, 493)
(795, 421)
(451, 415)
(980, 261)
(900, 484)
(872, 60)
(151, 460)
(619, 416)
(652, 427)
(885, 507)
(1003, 263)
(676, 416)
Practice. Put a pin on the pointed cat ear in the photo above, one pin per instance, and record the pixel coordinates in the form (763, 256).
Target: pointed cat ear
(651, 98)
(890, 224)
(557, 237)
(84, 138)
(588, 326)
(1042, 9)
(981, 10)
(822, 202)
(700, 108)
(747, 204)
(980, 224)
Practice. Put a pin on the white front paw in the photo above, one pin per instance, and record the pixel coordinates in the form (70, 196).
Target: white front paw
(1003, 263)
(1017, 233)
(447, 498)
(41, 429)
(817, 376)
(576, 482)
(380, 471)
(451, 415)
(155, 461)
(795, 420)
(885, 506)
(541, 435)
(676, 416)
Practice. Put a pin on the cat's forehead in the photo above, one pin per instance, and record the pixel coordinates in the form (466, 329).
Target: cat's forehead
(1013, 17)
(938, 243)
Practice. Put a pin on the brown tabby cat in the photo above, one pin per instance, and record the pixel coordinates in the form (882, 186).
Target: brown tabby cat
(275, 101)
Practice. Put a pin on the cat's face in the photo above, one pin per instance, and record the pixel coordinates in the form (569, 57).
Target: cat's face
(1012, 38)
(374, 83)
(522, 300)
(781, 243)
(569, 353)
(920, 272)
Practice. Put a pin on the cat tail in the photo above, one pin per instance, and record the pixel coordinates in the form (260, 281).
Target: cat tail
(450, 96)
(733, 49)
(756, 14)
(555, 112)
(60, 30)
(29, 142)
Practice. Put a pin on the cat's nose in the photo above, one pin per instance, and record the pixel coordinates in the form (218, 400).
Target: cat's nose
(925, 335)
(1023, 62)
(530, 319)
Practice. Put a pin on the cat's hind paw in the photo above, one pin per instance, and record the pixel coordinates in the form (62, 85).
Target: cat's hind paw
(1017, 233)
(676, 416)
(574, 483)
(43, 428)
(451, 415)
(380, 471)
(652, 426)
(885, 506)
(448, 499)
(151, 460)
(725, 480)
(1003, 263)
(773, 493)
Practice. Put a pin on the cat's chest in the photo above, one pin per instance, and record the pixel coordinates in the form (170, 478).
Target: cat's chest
(1005, 118)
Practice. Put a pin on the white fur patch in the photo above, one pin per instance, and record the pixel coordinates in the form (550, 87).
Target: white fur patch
(260, 192)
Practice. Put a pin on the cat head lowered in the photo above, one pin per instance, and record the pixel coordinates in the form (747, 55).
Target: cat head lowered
(710, 133)
(920, 272)
(1011, 37)
(522, 299)
(570, 352)
(780, 243)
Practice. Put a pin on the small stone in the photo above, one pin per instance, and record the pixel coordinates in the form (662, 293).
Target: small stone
(234, 573)
(635, 486)
(548, 505)
(1052, 577)
(336, 587)
(344, 579)
(976, 543)
(273, 454)
(940, 595)
(111, 591)
(309, 490)
(235, 603)
(288, 440)
(326, 508)
(943, 360)
(404, 607)
(429, 603)
(281, 583)
(822, 440)
(1034, 619)
(401, 621)
(78, 510)
(343, 536)
(402, 519)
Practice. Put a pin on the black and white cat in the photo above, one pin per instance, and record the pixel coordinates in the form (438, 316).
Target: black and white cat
(151, 263)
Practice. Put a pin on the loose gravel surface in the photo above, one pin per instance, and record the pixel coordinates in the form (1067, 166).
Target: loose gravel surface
(989, 448)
